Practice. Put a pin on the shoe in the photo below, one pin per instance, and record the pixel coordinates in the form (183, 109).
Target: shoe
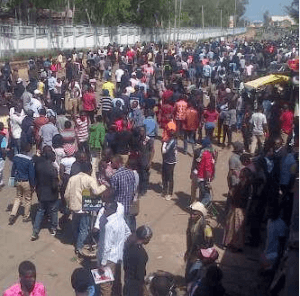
(28, 219)
(11, 220)
(168, 197)
(53, 232)
(34, 237)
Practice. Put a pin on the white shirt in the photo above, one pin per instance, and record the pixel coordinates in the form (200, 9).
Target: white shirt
(116, 233)
(120, 211)
(249, 70)
(258, 120)
(35, 105)
(15, 124)
(119, 73)
(67, 163)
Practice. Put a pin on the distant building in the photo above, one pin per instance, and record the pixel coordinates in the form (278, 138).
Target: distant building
(281, 21)
(256, 24)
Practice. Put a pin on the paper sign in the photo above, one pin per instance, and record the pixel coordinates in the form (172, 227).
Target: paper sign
(107, 275)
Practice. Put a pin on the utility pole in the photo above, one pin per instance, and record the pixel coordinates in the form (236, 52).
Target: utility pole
(179, 22)
(175, 20)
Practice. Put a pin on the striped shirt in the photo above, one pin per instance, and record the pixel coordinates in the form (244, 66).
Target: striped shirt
(82, 130)
(107, 104)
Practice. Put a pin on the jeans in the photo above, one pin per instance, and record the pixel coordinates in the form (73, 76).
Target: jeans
(204, 193)
(131, 222)
(80, 228)
(2, 163)
(84, 146)
(227, 131)
(189, 137)
(144, 175)
(16, 145)
(239, 119)
(168, 178)
(52, 207)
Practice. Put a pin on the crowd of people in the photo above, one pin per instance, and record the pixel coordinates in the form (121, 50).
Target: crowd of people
(85, 125)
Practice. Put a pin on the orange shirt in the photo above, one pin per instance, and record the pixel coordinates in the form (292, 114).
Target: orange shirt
(192, 120)
(180, 110)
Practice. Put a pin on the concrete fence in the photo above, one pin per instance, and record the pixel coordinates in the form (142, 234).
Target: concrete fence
(33, 38)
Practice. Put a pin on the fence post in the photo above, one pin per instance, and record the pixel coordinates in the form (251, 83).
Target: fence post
(84, 40)
(62, 37)
(34, 38)
(74, 37)
(17, 36)
(49, 37)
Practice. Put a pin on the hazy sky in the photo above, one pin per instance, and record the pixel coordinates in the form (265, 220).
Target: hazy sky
(256, 8)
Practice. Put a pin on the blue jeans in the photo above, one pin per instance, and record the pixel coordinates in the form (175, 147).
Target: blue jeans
(52, 208)
(131, 222)
(239, 119)
(80, 227)
(204, 193)
(189, 137)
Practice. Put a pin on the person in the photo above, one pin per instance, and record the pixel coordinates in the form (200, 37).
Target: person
(198, 235)
(27, 284)
(169, 151)
(73, 196)
(81, 157)
(210, 285)
(205, 170)
(190, 126)
(47, 191)
(96, 140)
(16, 116)
(106, 107)
(123, 182)
(210, 118)
(27, 125)
(24, 174)
(135, 259)
(287, 120)
(3, 146)
(68, 134)
(47, 132)
(234, 235)
(89, 103)
(113, 232)
(259, 128)
(72, 97)
(150, 124)
(180, 109)
(82, 282)
(38, 123)
(109, 86)
(162, 284)
(82, 132)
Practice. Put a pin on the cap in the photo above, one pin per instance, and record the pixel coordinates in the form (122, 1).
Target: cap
(198, 206)
(69, 149)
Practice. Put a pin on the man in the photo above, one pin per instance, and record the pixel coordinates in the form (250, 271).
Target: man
(47, 191)
(109, 86)
(73, 196)
(23, 172)
(82, 282)
(15, 120)
(106, 105)
(150, 124)
(113, 233)
(123, 182)
(51, 86)
(47, 132)
(205, 171)
(286, 119)
(190, 126)
(27, 284)
(82, 132)
(38, 123)
(207, 73)
(180, 113)
(3, 145)
(72, 97)
(259, 124)
(118, 74)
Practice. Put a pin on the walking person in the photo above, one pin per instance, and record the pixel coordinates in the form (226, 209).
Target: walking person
(23, 172)
(169, 151)
(135, 260)
(47, 191)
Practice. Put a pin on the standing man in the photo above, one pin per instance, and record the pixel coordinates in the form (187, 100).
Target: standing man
(73, 197)
(259, 128)
(82, 132)
(47, 132)
(286, 119)
(180, 113)
(3, 145)
(23, 172)
(15, 120)
(123, 182)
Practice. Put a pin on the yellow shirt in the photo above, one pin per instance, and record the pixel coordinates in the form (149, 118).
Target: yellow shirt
(110, 87)
(41, 87)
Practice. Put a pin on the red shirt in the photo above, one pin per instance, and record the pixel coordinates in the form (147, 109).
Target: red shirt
(211, 116)
(89, 101)
(287, 119)
(192, 120)
(165, 113)
(167, 94)
(206, 166)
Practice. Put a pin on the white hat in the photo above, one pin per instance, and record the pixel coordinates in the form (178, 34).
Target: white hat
(198, 206)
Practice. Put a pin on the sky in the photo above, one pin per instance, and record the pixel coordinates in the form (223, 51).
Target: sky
(256, 8)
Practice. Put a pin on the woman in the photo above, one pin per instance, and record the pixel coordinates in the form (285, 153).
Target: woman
(135, 259)
(234, 235)
(210, 118)
(89, 103)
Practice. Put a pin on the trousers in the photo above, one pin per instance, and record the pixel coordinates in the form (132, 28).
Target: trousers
(24, 193)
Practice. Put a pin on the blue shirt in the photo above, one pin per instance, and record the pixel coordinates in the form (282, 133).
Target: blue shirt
(23, 169)
(151, 126)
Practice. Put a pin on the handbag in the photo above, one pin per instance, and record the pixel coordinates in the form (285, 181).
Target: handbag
(135, 207)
